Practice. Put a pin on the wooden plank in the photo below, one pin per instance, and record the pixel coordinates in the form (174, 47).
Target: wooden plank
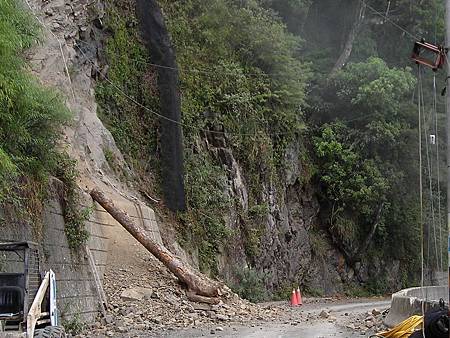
(98, 285)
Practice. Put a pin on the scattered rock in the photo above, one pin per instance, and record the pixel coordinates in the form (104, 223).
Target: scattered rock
(201, 306)
(136, 293)
(122, 329)
(324, 314)
(222, 317)
(154, 295)
(171, 300)
(109, 319)
(153, 300)
(369, 322)
(376, 312)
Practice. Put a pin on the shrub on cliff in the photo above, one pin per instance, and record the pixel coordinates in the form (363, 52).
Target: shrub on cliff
(30, 114)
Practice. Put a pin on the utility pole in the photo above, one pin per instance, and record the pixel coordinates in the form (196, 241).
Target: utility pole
(447, 106)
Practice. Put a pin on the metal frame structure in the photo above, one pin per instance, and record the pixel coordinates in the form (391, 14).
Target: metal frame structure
(436, 54)
(26, 282)
(33, 293)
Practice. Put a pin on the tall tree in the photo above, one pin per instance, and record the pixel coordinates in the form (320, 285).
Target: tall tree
(352, 34)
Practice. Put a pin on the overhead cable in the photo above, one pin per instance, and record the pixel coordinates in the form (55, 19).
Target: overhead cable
(411, 35)
(438, 164)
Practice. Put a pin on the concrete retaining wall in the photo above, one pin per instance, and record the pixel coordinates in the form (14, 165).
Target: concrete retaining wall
(77, 294)
(414, 301)
(138, 212)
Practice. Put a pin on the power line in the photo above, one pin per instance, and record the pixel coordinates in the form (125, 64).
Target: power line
(427, 126)
(137, 103)
(438, 171)
(411, 35)
(422, 279)
(215, 71)
(421, 127)
(430, 182)
(262, 73)
(66, 68)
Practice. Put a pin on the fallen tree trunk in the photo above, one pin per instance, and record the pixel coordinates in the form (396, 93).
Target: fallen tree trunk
(197, 284)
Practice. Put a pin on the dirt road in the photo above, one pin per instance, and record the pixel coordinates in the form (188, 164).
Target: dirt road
(309, 325)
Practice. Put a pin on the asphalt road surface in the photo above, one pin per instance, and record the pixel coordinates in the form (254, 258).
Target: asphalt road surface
(302, 329)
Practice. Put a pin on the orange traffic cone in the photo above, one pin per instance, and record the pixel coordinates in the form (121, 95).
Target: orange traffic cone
(294, 300)
(299, 297)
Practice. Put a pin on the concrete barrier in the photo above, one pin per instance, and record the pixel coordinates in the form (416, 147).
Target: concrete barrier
(414, 301)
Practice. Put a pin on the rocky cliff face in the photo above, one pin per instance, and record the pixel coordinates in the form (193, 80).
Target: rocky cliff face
(278, 246)
(282, 251)
(284, 241)
(67, 60)
(289, 244)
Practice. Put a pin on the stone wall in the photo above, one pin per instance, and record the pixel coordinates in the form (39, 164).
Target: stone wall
(70, 40)
(76, 292)
(77, 295)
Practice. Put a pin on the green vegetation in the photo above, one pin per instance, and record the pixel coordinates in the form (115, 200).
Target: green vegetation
(133, 127)
(363, 157)
(318, 242)
(313, 292)
(254, 229)
(109, 157)
(30, 115)
(249, 284)
(74, 217)
(205, 228)
(259, 70)
(251, 74)
(356, 291)
(75, 325)
(30, 120)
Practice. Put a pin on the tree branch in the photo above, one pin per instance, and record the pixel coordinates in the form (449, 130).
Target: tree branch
(353, 33)
(363, 247)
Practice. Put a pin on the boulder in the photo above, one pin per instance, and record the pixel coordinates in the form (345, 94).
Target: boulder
(137, 293)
